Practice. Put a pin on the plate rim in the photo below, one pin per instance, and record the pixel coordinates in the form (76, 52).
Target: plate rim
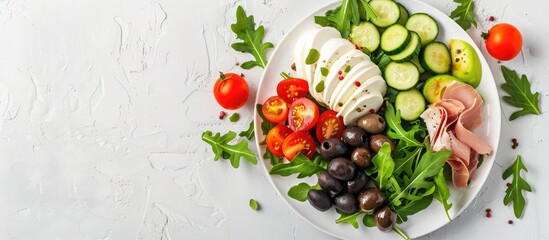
(257, 125)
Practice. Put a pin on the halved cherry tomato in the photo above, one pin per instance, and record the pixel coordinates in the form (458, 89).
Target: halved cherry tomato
(303, 115)
(276, 137)
(298, 142)
(275, 109)
(292, 88)
(329, 126)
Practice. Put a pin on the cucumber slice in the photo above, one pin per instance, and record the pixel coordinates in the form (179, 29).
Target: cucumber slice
(404, 14)
(435, 58)
(365, 35)
(424, 25)
(410, 51)
(395, 39)
(401, 76)
(410, 103)
(387, 12)
(415, 61)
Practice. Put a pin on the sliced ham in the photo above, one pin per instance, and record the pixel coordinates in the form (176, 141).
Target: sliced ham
(451, 122)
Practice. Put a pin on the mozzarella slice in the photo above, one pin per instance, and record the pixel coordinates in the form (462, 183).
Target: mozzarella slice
(374, 84)
(346, 88)
(362, 106)
(340, 69)
(299, 58)
(332, 50)
(318, 38)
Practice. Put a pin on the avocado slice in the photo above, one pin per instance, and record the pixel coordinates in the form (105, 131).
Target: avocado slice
(434, 86)
(465, 62)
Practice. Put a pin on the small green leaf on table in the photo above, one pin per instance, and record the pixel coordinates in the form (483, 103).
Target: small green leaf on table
(249, 134)
(464, 14)
(520, 95)
(253, 204)
(234, 152)
(514, 191)
(252, 39)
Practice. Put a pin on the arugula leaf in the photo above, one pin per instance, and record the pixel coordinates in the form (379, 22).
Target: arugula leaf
(429, 165)
(412, 208)
(367, 13)
(396, 131)
(368, 220)
(404, 158)
(299, 192)
(249, 134)
(514, 191)
(381, 60)
(442, 192)
(348, 218)
(273, 158)
(222, 148)
(266, 126)
(300, 165)
(384, 164)
(253, 204)
(520, 95)
(464, 14)
(251, 37)
(349, 12)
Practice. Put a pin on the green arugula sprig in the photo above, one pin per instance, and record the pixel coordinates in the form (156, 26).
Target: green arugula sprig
(300, 165)
(464, 14)
(514, 191)
(223, 149)
(252, 39)
(249, 133)
(442, 192)
(350, 12)
(396, 131)
(299, 192)
(520, 95)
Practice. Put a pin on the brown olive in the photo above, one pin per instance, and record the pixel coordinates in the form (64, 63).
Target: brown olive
(385, 219)
(370, 199)
(376, 141)
(361, 157)
(372, 123)
(355, 136)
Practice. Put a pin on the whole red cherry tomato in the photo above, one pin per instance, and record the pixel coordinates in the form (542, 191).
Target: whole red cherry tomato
(231, 91)
(503, 41)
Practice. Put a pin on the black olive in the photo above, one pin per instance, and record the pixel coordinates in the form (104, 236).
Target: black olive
(332, 148)
(361, 157)
(372, 123)
(356, 184)
(370, 199)
(342, 169)
(319, 200)
(385, 219)
(355, 136)
(376, 141)
(346, 203)
(329, 184)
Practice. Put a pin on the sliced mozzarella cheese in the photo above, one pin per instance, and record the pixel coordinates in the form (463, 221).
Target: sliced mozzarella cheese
(340, 69)
(362, 106)
(374, 84)
(358, 69)
(332, 50)
(299, 60)
(348, 86)
(316, 40)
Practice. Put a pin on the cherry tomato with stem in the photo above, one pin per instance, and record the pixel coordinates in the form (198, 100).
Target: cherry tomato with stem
(231, 91)
(303, 115)
(329, 126)
(503, 41)
(275, 139)
(298, 142)
(275, 109)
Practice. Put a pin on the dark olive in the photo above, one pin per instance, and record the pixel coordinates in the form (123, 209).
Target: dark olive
(332, 148)
(385, 219)
(329, 184)
(370, 199)
(361, 157)
(372, 123)
(356, 184)
(319, 200)
(376, 141)
(355, 136)
(346, 203)
(342, 169)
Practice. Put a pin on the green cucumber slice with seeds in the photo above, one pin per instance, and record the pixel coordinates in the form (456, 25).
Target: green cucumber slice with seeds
(410, 104)
(365, 35)
(387, 12)
(401, 76)
(411, 51)
(395, 39)
(404, 15)
(435, 58)
(424, 25)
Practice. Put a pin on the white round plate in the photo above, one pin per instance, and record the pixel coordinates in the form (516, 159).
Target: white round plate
(425, 221)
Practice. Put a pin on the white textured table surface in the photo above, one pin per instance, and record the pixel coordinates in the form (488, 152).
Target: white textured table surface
(102, 104)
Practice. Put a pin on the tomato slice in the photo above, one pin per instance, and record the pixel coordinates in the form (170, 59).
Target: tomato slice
(329, 126)
(292, 88)
(275, 109)
(303, 115)
(298, 142)
(275, 139)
